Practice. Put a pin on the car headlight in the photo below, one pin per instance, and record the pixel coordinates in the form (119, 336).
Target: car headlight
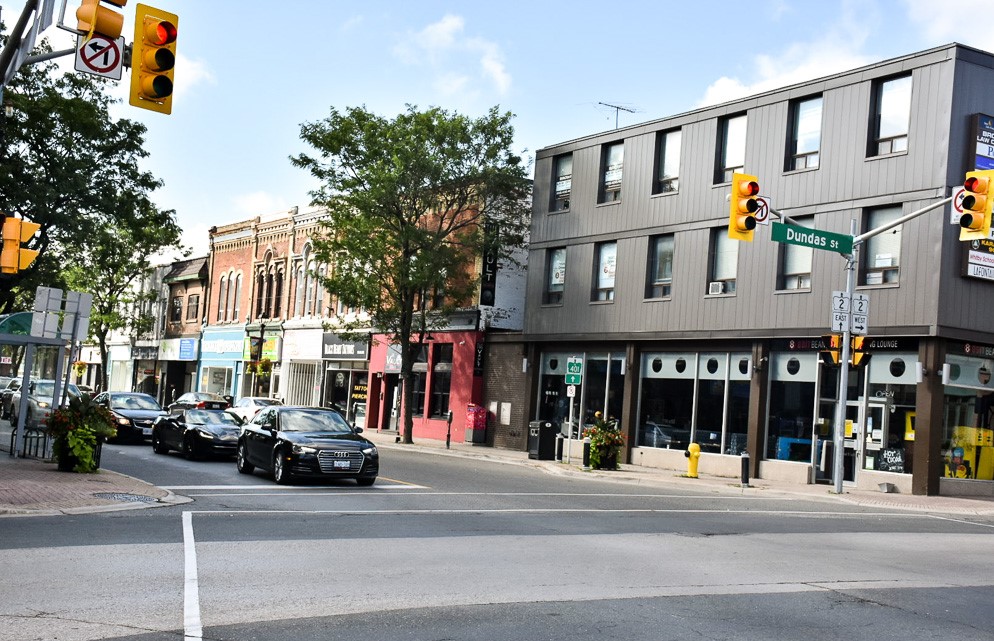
(303, 449)
(204, 434)
(369, 451)
(42, 404)
(123, 421)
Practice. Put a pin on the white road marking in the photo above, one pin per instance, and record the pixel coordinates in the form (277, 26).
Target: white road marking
(192, 628)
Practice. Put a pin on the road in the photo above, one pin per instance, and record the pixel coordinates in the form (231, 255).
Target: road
(456, 548)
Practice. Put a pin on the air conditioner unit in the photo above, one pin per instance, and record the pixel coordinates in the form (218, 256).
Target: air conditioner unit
(716, 287)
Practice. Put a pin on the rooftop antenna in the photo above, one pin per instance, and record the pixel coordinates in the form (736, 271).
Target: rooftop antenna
(617, 108)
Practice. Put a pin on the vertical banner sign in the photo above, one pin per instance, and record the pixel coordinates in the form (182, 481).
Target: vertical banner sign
(488, 279)
(983, 136)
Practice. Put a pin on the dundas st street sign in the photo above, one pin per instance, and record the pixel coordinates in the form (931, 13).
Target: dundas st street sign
(815, 238)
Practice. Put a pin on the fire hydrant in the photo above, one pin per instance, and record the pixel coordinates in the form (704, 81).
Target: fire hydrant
(693, 454)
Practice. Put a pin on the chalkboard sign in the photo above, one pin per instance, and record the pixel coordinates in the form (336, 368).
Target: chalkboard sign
(891, 459)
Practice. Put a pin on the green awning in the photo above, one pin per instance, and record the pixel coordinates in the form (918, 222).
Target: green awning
(19, 323)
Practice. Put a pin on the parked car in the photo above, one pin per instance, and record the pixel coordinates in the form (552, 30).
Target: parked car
(197, 433)
(248, 406)
(199, 401)
(7, 390)
(85, 389)
(40, 393)
(295, 442)
(133, 412)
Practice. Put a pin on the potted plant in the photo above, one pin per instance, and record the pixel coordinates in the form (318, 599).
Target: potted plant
(606, 442)
(78, 432)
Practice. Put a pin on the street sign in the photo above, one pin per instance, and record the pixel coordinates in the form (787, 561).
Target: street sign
(840, 312)
(571, 391)
(860, 314)
(574, 370)
(100, 56)
(814, 238)
(763, 212)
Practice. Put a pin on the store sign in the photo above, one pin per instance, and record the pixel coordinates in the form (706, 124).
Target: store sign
(983, 136)
(333, 348)
(479, 356)
(978, 259)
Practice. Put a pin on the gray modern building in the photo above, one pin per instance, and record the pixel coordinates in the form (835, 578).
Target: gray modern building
(687, 335)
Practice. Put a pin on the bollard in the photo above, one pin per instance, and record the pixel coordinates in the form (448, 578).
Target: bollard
(693, 455)
(586, 453)
(560, 439)
(745, 469)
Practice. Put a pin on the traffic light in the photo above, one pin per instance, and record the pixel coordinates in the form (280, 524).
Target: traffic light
(975, 223)
(833, 349)
(13, 257)
(153, 58)
(743, 207)
(857, 356)
(92, 18)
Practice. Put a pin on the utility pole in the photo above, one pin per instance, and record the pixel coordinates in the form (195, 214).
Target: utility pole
(617, 108)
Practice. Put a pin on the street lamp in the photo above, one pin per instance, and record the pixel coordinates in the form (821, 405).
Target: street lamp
(258, 359)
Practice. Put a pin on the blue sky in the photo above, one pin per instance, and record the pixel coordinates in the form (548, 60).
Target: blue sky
(249, 73)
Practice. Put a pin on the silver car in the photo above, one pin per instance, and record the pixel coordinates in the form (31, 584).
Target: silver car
(40, 393)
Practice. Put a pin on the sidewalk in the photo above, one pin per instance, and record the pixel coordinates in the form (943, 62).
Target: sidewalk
(35, 487)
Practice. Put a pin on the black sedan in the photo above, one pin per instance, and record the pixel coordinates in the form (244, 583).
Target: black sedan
(199, 401)
(133, 413)
(197, 433)
(298, 442)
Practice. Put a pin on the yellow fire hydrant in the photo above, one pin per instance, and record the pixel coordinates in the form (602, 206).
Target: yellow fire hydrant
(693, 455)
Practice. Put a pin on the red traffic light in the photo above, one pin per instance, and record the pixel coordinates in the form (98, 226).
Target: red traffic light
(748, 188)
(161, 32)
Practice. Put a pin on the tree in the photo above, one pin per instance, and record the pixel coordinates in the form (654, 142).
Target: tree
(66, 165)
(406, 203)
(111, 266)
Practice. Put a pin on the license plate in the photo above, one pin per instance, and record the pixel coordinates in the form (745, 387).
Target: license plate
(146, 431)
(342, 465)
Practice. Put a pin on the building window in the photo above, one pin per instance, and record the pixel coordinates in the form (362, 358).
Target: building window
(659, 275)
(667, 162)
(562, 181)
(260, 295)
(724, 262)
(298, 303)
(882, 254)
(222, 298)
(237, 298)
(731, 148)
(804, 146)
(555, 276)
(606, 255)
(441, 380)
(176, 313)
(795, 263)
(193, 307)
(612, 164)
(891, 116)
(277, 294)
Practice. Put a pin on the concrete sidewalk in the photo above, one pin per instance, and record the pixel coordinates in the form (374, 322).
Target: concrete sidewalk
(719, 485)
(35, 487)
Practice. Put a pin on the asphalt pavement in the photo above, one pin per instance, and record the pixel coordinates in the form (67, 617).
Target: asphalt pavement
(30, 486)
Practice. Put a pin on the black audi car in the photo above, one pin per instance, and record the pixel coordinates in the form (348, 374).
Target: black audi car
(133, 413)
(197, 433)
(298, 442)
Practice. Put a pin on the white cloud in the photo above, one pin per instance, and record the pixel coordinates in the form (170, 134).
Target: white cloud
(953, 21)
(443, 46)
(837, 50)
(258, 203)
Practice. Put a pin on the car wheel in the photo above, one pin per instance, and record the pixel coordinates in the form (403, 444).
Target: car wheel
(365, 482)
(158, 446)
(241, 460)
(190, 449)
(281, 474)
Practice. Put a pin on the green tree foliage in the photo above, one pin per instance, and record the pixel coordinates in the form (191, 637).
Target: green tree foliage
(68, 166)
(406, 202)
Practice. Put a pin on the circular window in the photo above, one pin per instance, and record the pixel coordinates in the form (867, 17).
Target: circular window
(793, 366)
(954, 372)
(657, 365)
(897, 367)
(712, 365)
(681, 365)
(553, 364)
(744, 366)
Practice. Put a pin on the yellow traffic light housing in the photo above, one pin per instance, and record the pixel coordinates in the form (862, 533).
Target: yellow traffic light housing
(975, 223)
(13, 257)
(92, 17)
(153, 58)
(857, 356)
(743, 207)
(833, 349)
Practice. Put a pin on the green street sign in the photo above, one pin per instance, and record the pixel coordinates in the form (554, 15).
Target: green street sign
(814, 238)
(574, 370)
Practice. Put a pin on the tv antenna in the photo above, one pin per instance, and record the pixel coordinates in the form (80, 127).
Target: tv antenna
(617, 108)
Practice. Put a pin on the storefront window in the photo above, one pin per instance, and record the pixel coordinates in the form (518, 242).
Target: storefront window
(216, 379)
(968, 437)
(603, 386)
(666, 406)
(889, 431)
(792, 406)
